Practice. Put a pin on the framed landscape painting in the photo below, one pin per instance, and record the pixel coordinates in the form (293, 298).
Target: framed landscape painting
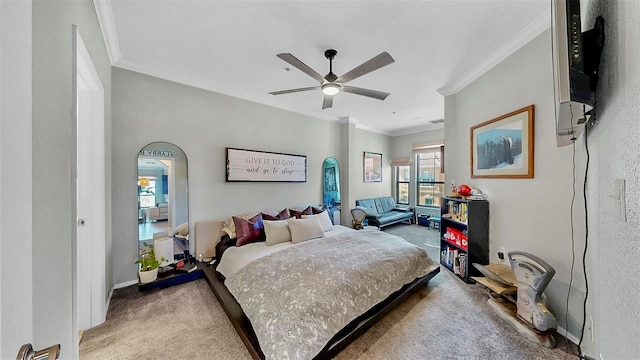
(372, 167)
(503, 147)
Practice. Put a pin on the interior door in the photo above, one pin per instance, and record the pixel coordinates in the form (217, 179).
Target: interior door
(90, 260)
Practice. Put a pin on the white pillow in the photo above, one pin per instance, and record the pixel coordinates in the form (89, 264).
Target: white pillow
(324, 219)
(305, 229)
(276, 231)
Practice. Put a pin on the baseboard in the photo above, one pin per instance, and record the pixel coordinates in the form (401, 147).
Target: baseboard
(125, 284)
(109, 299)
(560, 330)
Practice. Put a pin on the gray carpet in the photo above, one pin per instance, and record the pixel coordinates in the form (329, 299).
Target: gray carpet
(429, 239)
(447, 320)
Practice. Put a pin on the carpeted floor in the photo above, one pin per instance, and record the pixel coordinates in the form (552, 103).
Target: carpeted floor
(429, 239)
(446, 320)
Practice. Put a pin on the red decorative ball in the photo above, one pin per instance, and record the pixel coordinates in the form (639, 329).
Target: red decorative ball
(464, 190)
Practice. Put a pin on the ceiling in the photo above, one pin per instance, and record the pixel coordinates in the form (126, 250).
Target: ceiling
(230, 47)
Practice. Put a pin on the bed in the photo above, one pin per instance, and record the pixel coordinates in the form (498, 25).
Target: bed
(276, 296)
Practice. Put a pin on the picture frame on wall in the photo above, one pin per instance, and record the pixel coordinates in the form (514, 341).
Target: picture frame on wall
(503, 147)
(264, 166)
(372, 167)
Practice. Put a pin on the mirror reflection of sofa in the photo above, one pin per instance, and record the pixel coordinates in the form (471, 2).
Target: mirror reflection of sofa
(160, 212)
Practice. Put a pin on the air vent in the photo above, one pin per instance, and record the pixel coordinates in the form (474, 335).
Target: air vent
(437, 121)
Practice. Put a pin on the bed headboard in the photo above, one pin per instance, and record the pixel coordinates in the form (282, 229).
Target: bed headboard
(207, 235)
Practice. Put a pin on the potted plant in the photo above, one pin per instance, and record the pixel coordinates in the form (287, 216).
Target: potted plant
(148, 264)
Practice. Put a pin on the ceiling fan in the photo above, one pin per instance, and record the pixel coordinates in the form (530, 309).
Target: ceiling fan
(331, 84)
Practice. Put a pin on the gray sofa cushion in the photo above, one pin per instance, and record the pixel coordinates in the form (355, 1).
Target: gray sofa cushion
(385, 204)
(370, 206)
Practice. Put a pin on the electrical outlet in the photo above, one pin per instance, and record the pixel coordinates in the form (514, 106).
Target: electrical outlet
(501, 253)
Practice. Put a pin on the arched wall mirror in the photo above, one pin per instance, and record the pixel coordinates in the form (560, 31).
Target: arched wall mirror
(331, 187)
(163, 201)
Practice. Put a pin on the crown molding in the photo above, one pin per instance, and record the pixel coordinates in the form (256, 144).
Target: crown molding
(537, 26)
(104, 11)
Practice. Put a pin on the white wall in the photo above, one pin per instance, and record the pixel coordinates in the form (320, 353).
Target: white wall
(53, 141)
(16, 319)
(370, 142)
(614, 145)
(531, 215)
(402, 146)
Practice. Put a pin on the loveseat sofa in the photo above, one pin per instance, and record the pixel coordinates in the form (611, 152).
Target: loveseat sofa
(160, 212)
(383, 211)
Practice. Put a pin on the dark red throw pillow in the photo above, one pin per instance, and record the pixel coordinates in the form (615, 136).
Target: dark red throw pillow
(270, 217)
(298, 214)
(248, 231)
(316, 210)
(282, 215)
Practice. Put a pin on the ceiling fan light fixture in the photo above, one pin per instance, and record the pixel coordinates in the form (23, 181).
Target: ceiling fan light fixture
(331, 89)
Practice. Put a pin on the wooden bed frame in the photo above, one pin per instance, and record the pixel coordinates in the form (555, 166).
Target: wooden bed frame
(340, 341)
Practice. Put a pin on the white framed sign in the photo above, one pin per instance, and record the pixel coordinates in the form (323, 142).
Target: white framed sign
(253, 165)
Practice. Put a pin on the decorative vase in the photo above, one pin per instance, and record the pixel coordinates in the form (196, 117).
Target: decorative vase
(148, 276)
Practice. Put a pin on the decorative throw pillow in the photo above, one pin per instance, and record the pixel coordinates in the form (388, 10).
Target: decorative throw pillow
(248, 231)
(298, 214)
(229, 227)
(282, 215)
(276, 231)
(323, 218)
(269, 217)
(305, 229)
(315, 210)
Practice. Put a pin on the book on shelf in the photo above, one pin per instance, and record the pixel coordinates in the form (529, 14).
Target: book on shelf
(462, 269)
(456, 264)
(448, 256)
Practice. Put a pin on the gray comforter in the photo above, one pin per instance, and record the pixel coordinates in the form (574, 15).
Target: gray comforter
(297, 299)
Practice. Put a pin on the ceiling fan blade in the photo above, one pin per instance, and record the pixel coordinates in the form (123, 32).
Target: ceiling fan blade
(372, 64)
(380, 95)
(294, 90)
(328, 102)
(301, 66)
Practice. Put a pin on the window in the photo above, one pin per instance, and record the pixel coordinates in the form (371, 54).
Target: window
(146, 194)
(430, 176)
(402, 184)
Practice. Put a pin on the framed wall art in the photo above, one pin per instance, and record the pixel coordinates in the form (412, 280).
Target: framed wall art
(253, 165)
(503, 147)
(372, 167)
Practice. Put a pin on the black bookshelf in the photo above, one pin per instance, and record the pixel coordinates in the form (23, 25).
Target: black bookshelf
(460, 218)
